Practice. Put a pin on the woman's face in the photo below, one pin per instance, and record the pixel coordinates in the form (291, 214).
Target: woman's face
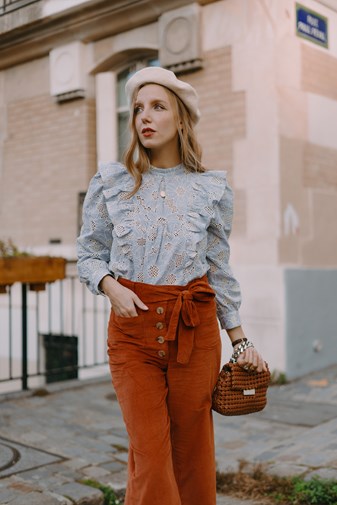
(155, 120)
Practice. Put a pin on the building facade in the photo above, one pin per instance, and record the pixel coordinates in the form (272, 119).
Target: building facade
(266, 73)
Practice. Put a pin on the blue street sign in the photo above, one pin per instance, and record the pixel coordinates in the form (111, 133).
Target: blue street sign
(311, 26)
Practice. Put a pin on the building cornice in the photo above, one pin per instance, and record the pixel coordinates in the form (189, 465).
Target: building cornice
(86, 22)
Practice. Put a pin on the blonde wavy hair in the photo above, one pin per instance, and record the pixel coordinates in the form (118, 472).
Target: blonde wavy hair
(137, 157)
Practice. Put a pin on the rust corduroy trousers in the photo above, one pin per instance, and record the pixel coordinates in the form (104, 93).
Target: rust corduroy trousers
(164, 365)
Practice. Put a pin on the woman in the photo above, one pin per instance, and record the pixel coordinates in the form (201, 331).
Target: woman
(155, 242)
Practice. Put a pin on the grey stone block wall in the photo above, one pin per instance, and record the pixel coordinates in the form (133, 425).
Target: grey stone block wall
(311, 320)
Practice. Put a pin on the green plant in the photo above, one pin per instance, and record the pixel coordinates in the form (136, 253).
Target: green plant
(315, 491)
(278, 378)
(255, 483)
(9, 250)
(110, 497)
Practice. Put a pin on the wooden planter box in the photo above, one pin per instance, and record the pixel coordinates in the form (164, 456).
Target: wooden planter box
(33, 270)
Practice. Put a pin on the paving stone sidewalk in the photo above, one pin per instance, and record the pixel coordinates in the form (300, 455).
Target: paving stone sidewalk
(50, 444)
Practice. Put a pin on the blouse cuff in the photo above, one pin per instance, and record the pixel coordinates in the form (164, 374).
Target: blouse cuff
(97, 279)
(229, 320)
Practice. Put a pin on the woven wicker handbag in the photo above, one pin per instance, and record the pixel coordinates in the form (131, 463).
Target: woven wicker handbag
(238, 392)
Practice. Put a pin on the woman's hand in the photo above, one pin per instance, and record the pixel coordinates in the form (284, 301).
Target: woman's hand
(251, 360)
(123, 300)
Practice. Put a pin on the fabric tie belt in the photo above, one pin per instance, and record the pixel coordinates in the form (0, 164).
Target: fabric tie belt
(184, 318)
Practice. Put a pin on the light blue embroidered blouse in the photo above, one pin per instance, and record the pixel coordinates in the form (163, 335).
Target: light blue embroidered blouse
(173, 230)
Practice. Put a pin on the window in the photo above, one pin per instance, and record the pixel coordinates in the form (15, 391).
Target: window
(122, 105)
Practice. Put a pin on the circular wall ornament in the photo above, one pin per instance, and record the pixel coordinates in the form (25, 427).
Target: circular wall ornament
(177, 35)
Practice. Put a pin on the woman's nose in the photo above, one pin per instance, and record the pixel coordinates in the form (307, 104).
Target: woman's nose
(145, 116)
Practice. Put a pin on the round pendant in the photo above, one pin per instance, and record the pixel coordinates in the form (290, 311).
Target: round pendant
(162, 194)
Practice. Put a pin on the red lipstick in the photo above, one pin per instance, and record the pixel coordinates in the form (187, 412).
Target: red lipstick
(147, 132)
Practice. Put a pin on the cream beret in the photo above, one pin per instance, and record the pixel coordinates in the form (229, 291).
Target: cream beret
(158, 75)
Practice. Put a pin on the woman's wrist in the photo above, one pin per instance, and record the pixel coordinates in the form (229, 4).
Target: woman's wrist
(236, 335)
(105, 281)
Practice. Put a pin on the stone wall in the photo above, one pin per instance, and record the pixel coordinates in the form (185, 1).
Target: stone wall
(49, 156)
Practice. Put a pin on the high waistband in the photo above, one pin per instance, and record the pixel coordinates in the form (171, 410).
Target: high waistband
(184, 316)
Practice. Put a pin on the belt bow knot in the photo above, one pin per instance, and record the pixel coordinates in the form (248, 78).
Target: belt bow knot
(185, 317)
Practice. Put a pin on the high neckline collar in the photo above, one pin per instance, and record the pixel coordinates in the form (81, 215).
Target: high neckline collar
(170, 170)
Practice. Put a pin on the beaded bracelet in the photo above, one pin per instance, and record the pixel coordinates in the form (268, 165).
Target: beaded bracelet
(239, 350)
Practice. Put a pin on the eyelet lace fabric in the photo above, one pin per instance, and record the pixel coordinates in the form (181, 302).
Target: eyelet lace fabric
(173, 230)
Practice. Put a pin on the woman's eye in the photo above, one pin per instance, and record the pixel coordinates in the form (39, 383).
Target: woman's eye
(159, 106)
(137, 110)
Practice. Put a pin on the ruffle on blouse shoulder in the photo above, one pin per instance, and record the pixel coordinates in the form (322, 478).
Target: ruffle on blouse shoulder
(115, 178)
(214, 183)
(208, 189)
(117, 183)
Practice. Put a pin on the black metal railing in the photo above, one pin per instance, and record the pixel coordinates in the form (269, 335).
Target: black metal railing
(51, 335)
(7, 6)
